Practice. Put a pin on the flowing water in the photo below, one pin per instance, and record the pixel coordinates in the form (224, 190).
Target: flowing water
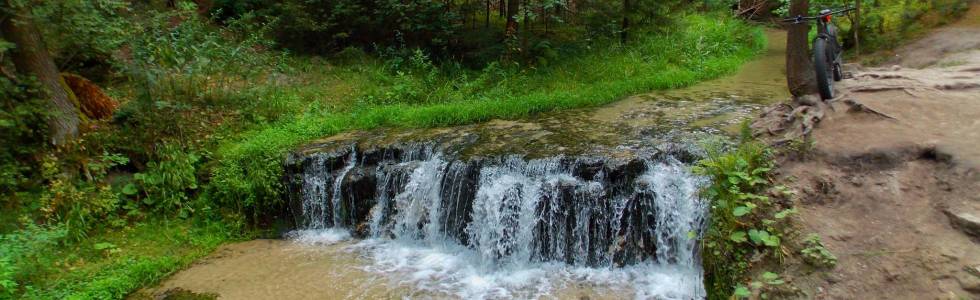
(421, 221)
(509, 227)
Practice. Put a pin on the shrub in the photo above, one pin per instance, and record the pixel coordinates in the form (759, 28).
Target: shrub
(169, 180)
(75, 201)
(23, 254)
(744, 221)
(23, 132)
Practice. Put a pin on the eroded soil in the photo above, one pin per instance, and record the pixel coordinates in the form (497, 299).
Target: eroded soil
(887, 186)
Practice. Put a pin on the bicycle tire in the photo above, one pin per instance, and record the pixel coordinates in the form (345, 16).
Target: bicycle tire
(838, 72)
(823, 68)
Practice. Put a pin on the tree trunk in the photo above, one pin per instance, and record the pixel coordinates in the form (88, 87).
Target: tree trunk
(487, 22)
(31, 57)
(856, 26)
(513, 8)
(799, 67)
(624, 33)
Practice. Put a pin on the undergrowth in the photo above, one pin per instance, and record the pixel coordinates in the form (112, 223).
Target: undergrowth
(701, 47)
(38, 263)
(746, 221)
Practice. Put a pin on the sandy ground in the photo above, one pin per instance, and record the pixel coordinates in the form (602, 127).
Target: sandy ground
(890, 192)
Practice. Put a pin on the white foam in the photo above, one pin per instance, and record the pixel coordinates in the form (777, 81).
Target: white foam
(327, 236)
(456, 271)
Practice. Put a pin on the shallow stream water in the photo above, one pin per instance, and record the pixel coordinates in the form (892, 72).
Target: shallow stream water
(437, 226)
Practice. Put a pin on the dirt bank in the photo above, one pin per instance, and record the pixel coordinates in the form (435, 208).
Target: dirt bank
(891, 183)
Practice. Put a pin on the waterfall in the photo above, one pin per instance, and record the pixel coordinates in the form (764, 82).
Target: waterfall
(477, 225)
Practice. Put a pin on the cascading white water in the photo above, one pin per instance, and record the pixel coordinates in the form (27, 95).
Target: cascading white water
(515, 228)
(316, 179)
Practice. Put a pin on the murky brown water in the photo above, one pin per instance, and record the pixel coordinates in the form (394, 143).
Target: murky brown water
(283, 269)
(717, 103)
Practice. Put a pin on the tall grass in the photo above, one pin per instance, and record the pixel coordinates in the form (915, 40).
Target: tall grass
(698, 48)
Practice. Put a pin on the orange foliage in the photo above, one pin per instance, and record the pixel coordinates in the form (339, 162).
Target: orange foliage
(93, 102)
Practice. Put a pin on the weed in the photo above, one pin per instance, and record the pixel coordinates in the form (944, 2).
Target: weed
(816, 254)
(744, 221)
(801, 147)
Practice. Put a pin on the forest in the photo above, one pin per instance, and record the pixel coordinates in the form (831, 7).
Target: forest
(139, 135)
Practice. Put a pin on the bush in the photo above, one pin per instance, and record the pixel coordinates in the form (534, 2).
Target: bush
(79, 203)
(83, 35)
(169, 180)
(23, 254)
(744, 221)
(23, 132)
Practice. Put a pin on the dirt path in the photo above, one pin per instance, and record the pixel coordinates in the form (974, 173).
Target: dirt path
(893, 188)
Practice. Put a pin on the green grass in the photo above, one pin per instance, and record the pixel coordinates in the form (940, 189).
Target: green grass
(699, 48)
(113, 263)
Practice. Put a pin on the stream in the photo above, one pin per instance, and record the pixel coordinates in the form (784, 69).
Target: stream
(612, 218)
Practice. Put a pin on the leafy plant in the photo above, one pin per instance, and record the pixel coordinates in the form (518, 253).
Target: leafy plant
(814, 253)
(79, 203)
(22, 254)
(744, 221)
(802, 147)
(23, 130)
(168, 180)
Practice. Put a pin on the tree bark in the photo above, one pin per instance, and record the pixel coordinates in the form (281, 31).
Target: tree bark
(513, 8)
(857, 26)
(624, 33)
(30, 56)
(487, 22)
(800, 78)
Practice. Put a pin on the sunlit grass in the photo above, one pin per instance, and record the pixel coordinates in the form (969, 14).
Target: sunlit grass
(114, 263)
(699, 48)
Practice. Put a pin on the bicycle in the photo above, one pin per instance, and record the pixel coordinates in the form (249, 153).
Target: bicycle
(827, 51)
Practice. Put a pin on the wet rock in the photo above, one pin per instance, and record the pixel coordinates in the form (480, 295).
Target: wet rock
(967, 222)
(589, 210)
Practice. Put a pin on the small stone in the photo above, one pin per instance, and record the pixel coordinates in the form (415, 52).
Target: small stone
(966, 222)
(896, 68)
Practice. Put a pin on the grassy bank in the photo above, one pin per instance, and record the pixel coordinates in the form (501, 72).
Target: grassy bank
(110, 264)
(207, 113)
(698, 48)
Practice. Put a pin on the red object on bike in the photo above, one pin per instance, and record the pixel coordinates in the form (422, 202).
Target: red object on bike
(827, 18)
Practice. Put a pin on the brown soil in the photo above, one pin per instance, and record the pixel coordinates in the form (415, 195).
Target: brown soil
(896, 156)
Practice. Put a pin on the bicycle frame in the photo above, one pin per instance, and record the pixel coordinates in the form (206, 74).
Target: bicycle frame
(827, 51)
(827, 31)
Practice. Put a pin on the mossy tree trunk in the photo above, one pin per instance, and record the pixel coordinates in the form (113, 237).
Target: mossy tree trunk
(31, 57)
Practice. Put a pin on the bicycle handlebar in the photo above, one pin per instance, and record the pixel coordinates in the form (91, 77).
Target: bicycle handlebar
(799, 19)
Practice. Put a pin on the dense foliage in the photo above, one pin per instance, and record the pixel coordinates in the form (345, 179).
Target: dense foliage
(741, 220)
(886, 23)
(214, 93)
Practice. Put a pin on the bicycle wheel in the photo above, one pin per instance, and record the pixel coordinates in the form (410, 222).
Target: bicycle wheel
(838, 67)
(824, 69)
(838, 72)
